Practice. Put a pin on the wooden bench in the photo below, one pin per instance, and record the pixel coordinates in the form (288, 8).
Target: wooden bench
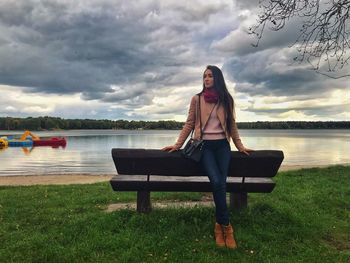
(146, 171)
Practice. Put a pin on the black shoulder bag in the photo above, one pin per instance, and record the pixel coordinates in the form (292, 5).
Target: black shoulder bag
(193, 148)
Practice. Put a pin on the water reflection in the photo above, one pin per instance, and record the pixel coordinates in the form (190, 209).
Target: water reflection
(89, 152)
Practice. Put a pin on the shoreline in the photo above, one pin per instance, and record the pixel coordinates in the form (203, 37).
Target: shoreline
(56, 179)
(304, 166)
(66, 179)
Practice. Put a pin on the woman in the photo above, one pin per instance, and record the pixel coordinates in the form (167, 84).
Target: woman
(215, 106)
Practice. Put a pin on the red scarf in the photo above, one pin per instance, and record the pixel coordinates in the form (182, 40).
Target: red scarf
(211, 95)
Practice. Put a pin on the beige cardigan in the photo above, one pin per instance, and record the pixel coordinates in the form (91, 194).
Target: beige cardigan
(193, 122)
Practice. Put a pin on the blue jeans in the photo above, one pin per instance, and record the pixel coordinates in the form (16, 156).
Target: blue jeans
(215, 162)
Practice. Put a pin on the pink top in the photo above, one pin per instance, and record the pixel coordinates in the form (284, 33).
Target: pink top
(213, 130)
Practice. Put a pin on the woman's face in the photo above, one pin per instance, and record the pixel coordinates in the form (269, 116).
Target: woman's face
(208, 79)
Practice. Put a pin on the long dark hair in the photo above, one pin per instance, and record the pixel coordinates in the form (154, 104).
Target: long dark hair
(225, 97)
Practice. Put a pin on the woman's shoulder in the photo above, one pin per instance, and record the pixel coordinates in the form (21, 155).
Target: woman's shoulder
(195, 97)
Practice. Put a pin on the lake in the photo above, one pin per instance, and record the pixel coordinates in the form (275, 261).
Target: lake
(89, 151)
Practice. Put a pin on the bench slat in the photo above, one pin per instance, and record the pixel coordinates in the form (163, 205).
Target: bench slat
(129, 183)
(189, 184)
(262, 163)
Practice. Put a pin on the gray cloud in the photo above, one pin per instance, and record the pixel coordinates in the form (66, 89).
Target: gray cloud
(327, 112)
(247, 4)
(63, 48)
(129, 53)
(268, 73)
(192, 11)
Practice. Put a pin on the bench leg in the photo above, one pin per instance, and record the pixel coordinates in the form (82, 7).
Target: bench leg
(144, 202)
(238, 201)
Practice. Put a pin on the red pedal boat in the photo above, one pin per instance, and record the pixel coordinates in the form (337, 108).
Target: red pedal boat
(37, 141)
(54, 141)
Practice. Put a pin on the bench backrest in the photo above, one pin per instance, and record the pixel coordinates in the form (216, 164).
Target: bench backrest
(156, 162)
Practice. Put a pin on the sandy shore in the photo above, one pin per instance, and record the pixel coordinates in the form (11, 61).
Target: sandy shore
(53, 179)
(61, 179)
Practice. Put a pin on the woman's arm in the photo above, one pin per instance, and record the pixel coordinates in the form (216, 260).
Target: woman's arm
(235, 136)
(237, 140)
(187, 128)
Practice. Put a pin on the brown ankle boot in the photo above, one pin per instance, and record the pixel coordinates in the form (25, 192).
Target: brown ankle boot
(219, 235)
(229, 239)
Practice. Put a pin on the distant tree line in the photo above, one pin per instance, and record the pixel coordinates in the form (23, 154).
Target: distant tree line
(295, 125)
(53, 123)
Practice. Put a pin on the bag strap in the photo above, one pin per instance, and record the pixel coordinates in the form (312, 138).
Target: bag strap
(200, 117)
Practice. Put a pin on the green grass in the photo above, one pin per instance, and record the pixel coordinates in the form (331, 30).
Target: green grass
(305, 219)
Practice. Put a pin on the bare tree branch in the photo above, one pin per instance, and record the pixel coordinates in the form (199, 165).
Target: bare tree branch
(333, 77)
(324, 34)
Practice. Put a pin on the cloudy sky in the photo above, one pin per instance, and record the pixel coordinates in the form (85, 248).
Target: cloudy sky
(143, 60)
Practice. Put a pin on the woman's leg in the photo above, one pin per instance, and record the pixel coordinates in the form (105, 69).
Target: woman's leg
(215, 162)
(223, 158)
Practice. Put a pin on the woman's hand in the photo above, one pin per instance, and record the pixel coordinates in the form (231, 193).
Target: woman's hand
(245, 150)
(171, 148)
